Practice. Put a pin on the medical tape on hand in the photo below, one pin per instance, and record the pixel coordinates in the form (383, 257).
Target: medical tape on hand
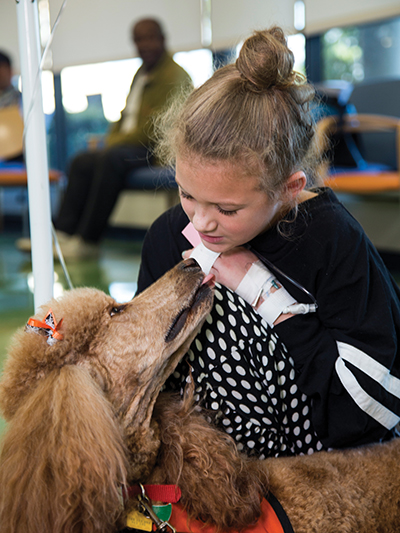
(205, 257)
(257, 284)
(274, 305)
(257, 280)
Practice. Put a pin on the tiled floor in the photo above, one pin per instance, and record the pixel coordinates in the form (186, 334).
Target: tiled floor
(115, 272)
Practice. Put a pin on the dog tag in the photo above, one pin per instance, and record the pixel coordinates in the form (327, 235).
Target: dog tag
(163, 511)
(136, 520)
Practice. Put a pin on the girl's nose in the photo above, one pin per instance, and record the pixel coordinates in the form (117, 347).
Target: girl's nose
(203, 220)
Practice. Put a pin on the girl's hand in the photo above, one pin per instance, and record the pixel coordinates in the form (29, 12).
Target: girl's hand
(230, 267)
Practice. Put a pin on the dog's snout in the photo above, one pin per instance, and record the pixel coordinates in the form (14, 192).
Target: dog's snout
(190, 264)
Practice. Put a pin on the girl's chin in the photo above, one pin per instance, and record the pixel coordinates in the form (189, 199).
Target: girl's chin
(218, 247)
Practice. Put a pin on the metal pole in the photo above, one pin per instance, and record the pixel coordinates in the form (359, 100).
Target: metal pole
(35, 151)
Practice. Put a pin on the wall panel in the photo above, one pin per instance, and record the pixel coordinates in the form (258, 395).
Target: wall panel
(232, 21)
(322, 15)
(8, 31)
(99, 30)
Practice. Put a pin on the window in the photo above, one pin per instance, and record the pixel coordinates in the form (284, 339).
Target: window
(93, 96)
(362, 53)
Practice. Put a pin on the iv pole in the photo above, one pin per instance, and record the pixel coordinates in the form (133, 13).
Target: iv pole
(35, 151)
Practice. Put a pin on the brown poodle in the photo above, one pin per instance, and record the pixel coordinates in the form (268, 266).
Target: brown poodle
(86, 420)
(79, 404)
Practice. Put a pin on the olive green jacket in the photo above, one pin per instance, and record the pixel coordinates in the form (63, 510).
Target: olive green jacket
(166, 77)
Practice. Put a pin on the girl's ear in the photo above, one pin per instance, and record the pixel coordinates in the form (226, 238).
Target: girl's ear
(295, 184)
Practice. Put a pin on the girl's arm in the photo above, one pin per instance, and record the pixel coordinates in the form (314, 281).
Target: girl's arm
(347, 353)
(344, 354)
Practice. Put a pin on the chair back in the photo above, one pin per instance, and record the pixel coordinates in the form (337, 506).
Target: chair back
(378, 97)
(368, 176)
(11, 132)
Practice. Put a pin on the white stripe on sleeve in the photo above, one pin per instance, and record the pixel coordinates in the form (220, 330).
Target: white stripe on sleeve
(374, 370)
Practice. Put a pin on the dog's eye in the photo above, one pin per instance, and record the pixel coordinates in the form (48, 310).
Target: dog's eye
(117, 309)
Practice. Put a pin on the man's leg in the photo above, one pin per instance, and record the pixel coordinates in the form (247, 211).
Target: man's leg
(109, 178)
(80, 181)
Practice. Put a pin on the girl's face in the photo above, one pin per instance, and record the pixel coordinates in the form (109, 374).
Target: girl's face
(224, 204)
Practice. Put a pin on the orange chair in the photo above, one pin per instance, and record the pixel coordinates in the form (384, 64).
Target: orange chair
(366, 178)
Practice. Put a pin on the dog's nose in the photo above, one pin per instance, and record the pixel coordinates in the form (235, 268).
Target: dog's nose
(189, 264)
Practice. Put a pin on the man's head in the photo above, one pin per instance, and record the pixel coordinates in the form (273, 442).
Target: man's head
(148, 36)
(5, 71)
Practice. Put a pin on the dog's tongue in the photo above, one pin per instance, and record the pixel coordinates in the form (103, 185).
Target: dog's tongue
(210, 279)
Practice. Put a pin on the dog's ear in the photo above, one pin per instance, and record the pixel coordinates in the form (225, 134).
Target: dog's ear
(63, 461)
(30, 359)
(32, 356)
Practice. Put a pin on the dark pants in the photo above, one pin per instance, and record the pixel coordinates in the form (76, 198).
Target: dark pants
(95, 180)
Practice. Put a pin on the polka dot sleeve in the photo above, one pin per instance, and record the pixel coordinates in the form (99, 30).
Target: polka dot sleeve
(246, 380)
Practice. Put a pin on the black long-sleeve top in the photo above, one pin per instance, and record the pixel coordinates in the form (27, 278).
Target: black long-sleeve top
(346, 354)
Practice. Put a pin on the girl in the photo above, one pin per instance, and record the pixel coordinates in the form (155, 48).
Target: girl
(300, 352)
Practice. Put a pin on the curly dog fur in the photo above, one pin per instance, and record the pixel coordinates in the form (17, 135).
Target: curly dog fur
(87, 418)
(80, 416)
(350, 491)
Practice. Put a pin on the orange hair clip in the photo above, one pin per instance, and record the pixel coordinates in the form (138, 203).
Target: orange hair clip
(49, 325)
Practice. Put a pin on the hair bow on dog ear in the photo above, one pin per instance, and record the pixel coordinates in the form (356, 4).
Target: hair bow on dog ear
(48, 326)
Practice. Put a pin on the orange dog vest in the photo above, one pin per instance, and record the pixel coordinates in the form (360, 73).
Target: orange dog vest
(272, 520)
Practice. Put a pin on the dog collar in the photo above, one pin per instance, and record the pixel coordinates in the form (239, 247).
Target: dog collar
(157, 493)
(151, 517)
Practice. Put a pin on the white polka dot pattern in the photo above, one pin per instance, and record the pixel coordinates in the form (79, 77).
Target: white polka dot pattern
(244, 376)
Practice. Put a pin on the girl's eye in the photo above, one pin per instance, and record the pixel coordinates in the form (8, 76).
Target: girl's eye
(227, 213)
(184, 195)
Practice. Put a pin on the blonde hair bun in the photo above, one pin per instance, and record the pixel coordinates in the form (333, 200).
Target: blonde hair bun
(255, 113)
(266, 62)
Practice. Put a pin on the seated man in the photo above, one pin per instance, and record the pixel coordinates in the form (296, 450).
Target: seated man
(9, 95)
(96, 178)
